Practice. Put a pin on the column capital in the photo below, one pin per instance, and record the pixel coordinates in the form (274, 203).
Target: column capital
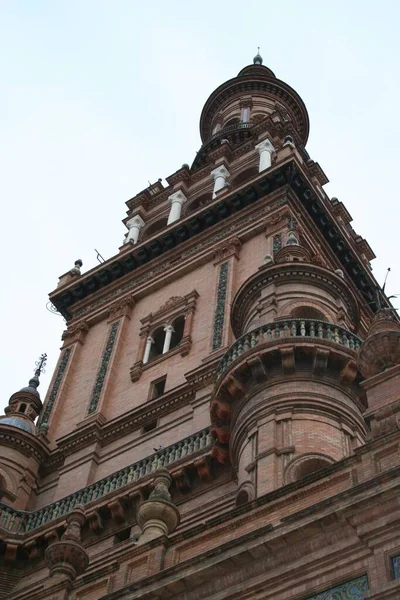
(169, 328)
(220, 171)
(265, 145)
(178, 196)
(150, 340)
(135, 221)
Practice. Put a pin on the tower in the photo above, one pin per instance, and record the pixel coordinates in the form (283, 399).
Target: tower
(222, 420)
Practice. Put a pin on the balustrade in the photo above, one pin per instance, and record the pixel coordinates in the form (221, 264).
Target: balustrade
(20, 521)
(286, 329)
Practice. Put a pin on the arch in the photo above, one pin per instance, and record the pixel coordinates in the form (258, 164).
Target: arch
(245, 494)
(8, 487)
(305, 464)
(232, 121)
(245, 175)
(158, 336)
(308, 312)
(179, 325)
(155, 226)
(197, 203)
(299, 308)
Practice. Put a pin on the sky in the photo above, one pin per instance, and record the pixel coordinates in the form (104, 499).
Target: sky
(97, 98)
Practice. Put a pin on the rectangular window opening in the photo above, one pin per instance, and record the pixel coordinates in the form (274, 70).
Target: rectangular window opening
(122, 535)
(157, 387)
(149, 426)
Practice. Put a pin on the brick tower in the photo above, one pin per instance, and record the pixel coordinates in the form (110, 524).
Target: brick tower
(223, 420)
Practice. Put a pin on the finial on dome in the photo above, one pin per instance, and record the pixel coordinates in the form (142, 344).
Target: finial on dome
(258, 60)
(40, 365)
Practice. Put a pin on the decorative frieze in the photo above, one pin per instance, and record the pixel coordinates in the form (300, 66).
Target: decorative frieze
(219, 317)
(193, 251)
(44, 418)
(277, 243)
(351, 590)
(102, 372)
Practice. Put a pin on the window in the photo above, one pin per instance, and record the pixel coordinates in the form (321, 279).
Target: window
(122, 535)
(308, 312)
(157, 387)
(150, 426)
(22, 408)
(310, 466)
(165, 332)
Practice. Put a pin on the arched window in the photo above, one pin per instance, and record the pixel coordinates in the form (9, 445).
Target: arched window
(22, 408)
(233, 121)
(158, 337)
(244, 176)
(2, 486)
(177, 334)
(309, 466)
(198, 203)
(308, 312)
(155, 227)
(165, 332)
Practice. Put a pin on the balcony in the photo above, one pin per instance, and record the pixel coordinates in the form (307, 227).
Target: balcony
(286, 366)
(19, 521)
(286, 331)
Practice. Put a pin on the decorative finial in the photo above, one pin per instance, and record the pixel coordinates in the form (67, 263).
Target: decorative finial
(257, 60)
(40, 365)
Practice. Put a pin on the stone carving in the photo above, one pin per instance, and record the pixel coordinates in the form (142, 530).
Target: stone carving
(44, 418)
(67, 558)
(158, 516)
(101, 374)
(219, 316)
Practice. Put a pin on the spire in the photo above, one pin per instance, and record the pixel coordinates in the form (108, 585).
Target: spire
(258, 60)
(34, 381)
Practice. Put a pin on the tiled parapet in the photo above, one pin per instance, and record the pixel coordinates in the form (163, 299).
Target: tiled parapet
(19, 521)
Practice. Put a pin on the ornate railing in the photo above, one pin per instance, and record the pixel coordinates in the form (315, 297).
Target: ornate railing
(230, 128)
(20, 521)
(292, 328)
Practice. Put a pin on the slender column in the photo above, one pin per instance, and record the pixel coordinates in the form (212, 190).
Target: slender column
(134, 225)
(220, 175)
(147, 350)
(169, 330)
(265, 150)
(177, 199)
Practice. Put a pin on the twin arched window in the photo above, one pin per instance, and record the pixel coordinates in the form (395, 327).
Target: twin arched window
(164, 338)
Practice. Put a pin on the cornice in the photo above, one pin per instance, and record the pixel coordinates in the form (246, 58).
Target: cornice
(284, 175)
(25, 442)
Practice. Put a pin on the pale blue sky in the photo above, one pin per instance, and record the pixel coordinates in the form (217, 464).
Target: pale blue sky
(98, 97)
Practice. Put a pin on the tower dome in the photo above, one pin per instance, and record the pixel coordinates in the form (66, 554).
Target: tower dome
(236, 107)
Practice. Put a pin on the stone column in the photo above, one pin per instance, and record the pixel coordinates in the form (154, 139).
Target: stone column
(220, 175)
(265, 150)
(169, 330)
(147, 350)
(134, 225)
(177, 199)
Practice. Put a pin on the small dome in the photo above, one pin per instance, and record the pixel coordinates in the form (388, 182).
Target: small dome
(32, 387)
(258, 60)
(18, 422)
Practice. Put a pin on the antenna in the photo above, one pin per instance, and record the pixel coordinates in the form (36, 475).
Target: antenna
(99, 257)
(386, 276)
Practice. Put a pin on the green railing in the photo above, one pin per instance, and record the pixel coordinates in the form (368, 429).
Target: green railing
(20, 521)
(287, 329)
